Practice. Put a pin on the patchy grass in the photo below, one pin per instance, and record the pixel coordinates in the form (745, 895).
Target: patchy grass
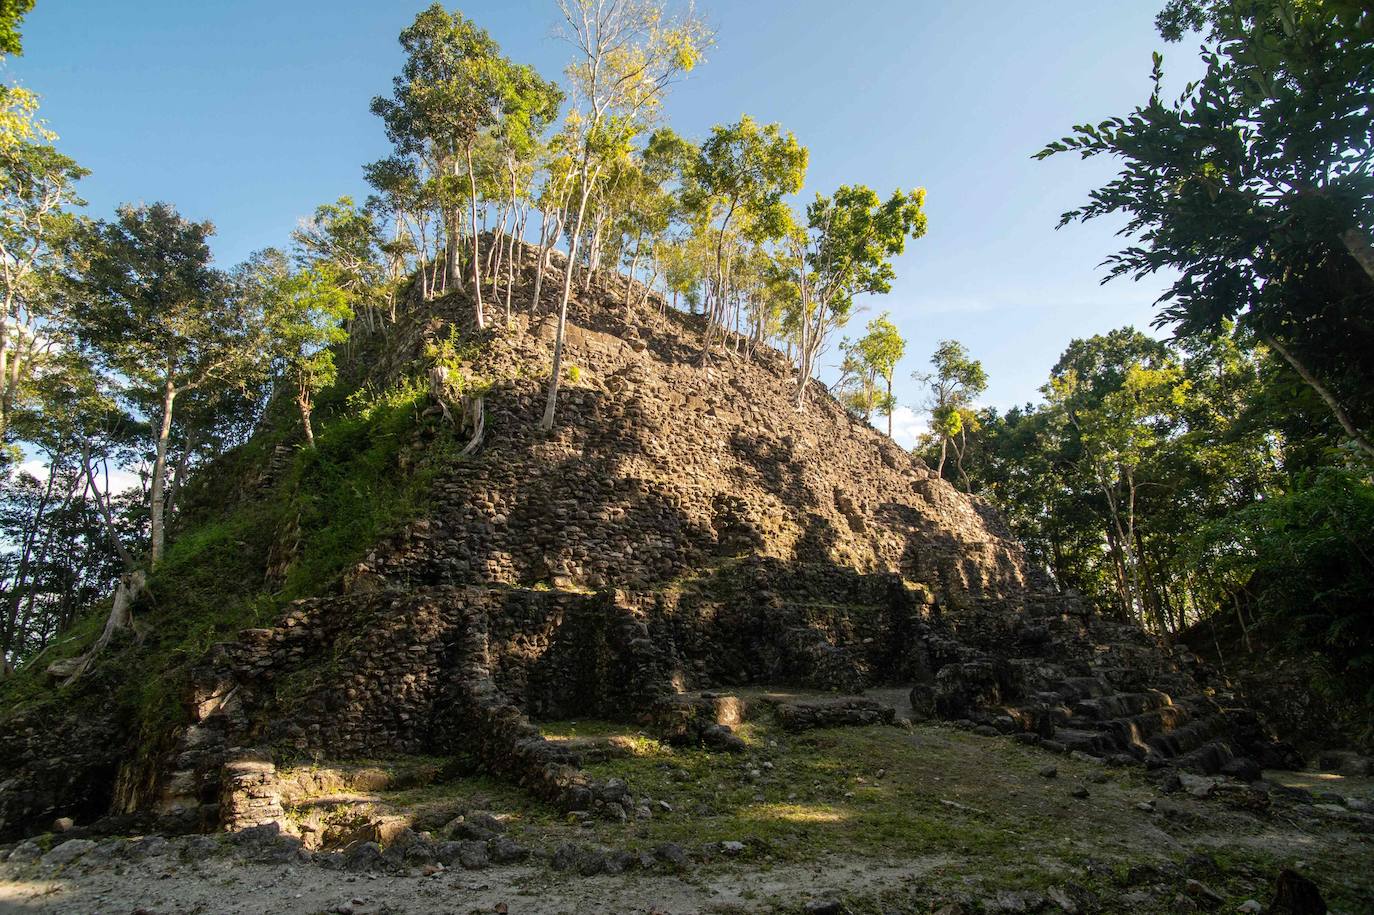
(325, 511)
(974, 811)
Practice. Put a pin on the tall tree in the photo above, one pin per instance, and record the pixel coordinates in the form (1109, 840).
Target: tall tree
(958, 380)
(342, 244)
(882, 348)
(846, 250)
(743, 166)
(627, 52)
(1118, 431)
(449, 91)
(1257, 188)
(305, 314)
(160, 317)
(529, 105)
(37, 188)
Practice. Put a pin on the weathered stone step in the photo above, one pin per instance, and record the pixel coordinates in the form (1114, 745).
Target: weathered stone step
(331, 801)
(838, 712)
(1121, 705)
(1074, 688)
(1191, 736)
(1133, 733)
(1094, 743)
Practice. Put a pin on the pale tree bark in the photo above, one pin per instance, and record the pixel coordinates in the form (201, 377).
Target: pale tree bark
(548, 238)
(959, 458)
(1360, 248)
(421, 257)
(593, 253)
(517, 230)
(303, 403)
(476, 254)
(1334, 405)
(180, 471)
(16, 264)
(890, 405)
(720, 266)
(131, 586)
(1125, 535)
(494, 248)
(540, 261)
(102, 503)
(630, 279)
(551, 402)
(5, 366)
(157, 528)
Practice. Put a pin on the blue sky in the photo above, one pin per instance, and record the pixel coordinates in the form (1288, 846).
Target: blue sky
(251, 113)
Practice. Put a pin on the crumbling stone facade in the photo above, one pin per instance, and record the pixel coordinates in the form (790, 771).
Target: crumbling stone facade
(683, 529)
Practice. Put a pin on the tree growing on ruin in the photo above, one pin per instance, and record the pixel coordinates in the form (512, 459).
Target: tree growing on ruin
(958, 381)
(879, 350)
(745, 167)
(341, 243)
(627, 52)
(304, 315)
(451, 89)
(846, 250)
(529, 104)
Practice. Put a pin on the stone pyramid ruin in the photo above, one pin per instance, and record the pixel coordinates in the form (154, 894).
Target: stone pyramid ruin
(683, 542)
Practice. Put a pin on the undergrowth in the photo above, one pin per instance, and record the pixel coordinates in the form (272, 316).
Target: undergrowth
(326, 509)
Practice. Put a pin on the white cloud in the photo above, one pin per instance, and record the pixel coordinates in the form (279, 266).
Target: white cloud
(907, 425)
(120, 478)
(34, 468)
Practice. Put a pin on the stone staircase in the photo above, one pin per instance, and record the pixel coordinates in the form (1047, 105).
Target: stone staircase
(1065, 676)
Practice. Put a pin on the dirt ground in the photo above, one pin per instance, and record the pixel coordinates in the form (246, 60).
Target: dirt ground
(874, 819)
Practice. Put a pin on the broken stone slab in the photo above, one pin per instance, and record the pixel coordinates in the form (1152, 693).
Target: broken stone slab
(67, 852)
(843, 711)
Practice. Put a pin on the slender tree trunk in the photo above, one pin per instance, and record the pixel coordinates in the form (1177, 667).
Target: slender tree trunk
(303, 403)
(1152, 592)
(4, 363)
(630, 279)
(156, 519)
(653, 276)
(106, 515)
(593, 253)
(476, 253)
(1244, 629)
(517, 229)
(1125, 534)
(438, 283)
(453, 276)
(959, 458)
(889, 404)
(541, 260)
(494, 247)
(421, 250)
(1119, 567)
(179, 472)
(1332, 403)
(1358, 244)
(720, 265)
(551, 403)
(30, 534)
